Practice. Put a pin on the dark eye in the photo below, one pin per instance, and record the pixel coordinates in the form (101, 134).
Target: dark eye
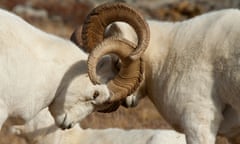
(96, 94)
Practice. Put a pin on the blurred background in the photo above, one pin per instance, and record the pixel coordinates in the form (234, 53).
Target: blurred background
(61, 17)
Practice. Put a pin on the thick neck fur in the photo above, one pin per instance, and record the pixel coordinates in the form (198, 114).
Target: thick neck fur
(156, 53)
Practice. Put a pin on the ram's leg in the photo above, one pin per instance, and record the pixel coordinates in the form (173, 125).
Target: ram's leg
(3, 113)
(201, 124)
(200, 108)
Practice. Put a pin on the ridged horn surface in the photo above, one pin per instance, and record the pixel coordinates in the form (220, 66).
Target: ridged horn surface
(131, 71)
(105, 14)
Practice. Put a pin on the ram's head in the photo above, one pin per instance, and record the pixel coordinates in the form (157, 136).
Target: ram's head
(93, 40)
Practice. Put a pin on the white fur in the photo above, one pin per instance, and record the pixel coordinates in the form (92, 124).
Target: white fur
(192, 73)
(41, 130)
(39, 69)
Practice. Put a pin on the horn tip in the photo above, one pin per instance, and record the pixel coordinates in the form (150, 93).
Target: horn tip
(96, 82)
(112, 100)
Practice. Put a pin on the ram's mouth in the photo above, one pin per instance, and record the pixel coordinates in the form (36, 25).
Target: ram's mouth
(65, 125)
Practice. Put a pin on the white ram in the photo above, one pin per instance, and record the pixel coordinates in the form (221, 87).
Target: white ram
(40, 70)
(192, 72)
(42, 130)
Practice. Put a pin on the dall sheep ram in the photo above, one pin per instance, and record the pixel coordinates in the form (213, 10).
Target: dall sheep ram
(40, 70)
(42, 130)
(191, 72)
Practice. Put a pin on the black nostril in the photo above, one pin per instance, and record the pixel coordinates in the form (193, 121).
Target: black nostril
(62, 127)
(69, 126)
(96, 94)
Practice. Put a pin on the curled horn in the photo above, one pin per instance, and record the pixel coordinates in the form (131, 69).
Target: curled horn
(105, 14)
(130, 74)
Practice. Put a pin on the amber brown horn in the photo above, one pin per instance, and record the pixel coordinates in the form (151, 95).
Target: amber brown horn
(130, 74)
(105, 14)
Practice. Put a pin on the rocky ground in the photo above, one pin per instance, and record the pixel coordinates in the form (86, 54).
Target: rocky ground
(61, 17)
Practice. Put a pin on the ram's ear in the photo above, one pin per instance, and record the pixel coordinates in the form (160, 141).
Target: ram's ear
(108, 67)
(113, 30)
(123, 30)
(76, 37)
